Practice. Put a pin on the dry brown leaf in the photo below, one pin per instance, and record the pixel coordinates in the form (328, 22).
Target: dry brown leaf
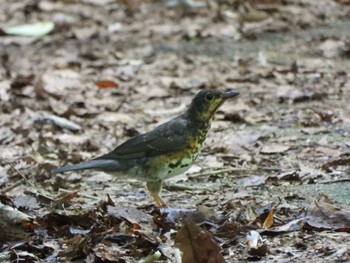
(14, 224)
(323, 214)
(292, 175)
(343, 159)
(269, 219)
(197, 244)
(291, 226)
(133, 215)
(74, 245)
(107, 253)
(200, 215)
(107, 84)
(56, 83)
(251, 215)
(298, 95)
(261, 251)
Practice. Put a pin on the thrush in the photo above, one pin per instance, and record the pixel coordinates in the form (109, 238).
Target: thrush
(168, 150)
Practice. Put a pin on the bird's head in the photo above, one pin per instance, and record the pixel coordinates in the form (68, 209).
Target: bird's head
(206, 103)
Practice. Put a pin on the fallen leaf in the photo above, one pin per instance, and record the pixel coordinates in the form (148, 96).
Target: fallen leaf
(292, 175)
(114, 117)
(331, 48)
(298, 95)
(56, 83)
(197, 244)
(14, 224)
(343, 159)
(261, 251)
(253, 180)
(133, 215)
(323, 214)
(274, 148)
(71, 138)
(30, 30)
(291, 226)
(6, 135)
(269, 219)
(26, 201)
(75, 246)
(107, 84)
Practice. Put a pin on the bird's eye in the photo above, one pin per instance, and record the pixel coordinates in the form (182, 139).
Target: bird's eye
(209, 96)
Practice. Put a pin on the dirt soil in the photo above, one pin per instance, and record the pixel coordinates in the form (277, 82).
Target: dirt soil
(272, 183)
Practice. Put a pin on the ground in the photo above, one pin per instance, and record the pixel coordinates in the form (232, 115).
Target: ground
(272, 183)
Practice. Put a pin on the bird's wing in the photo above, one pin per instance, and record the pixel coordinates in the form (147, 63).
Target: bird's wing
(168, 137)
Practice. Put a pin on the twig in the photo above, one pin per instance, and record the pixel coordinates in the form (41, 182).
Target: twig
(221, 171)
(79, 194)
(23, 180)
(13, 186)
(184, 187)
(21, 174)
(59, 121)
(335, 181)
(121, 103)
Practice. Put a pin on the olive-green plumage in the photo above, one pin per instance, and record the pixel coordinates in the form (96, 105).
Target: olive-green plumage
(166, 151)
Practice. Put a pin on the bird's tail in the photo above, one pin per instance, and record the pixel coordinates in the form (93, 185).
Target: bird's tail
(102, 164)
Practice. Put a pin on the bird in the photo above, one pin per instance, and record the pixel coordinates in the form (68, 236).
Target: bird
(166, 151)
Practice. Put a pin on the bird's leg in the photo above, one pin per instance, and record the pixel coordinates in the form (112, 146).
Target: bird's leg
(155, 188)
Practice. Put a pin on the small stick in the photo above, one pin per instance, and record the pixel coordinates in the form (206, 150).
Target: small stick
(226, 170)
(22, 181)
(13, 186)
(79, 194)
(335, 181)
(121, 103)
(21, 174)
(184, 187)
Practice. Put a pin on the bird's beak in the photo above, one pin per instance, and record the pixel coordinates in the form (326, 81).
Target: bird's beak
(230, 94)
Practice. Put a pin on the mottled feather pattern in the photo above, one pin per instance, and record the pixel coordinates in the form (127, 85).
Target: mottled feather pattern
(166, 151)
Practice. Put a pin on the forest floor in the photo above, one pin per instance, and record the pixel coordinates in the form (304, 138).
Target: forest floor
(272, 183)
